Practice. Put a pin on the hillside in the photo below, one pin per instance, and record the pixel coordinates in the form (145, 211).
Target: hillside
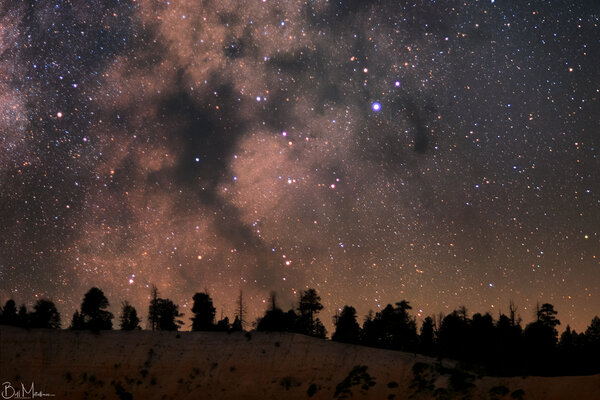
(211, 365)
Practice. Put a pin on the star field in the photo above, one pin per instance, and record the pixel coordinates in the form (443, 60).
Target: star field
(440, 152)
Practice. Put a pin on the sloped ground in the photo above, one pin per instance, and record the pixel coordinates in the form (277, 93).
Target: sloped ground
(211, 365)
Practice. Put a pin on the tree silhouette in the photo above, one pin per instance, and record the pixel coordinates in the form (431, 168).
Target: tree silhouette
(508, 353)
(275, 320)
(481, 335)
(163, 314)
(129, 319)
(9, 313)
(370, 330)
(540, 340)
(592, 332)
(462, 313)
(547, 316)
(498, 348)
(23, 317)
(347, 329)
(152, 310)
(391, 328)
(309, 306)
(241, 310)
(405, 328)
(77, 322)
(223, 325)
(426, 337)
(452, 335)
(204, 313)
(567, 340)
(93, 310)
(236, 326)
(386, 325)
(571, 353)
(591, 339)
(45, 315)
(514, 320)
(10, 316)
(319, 330)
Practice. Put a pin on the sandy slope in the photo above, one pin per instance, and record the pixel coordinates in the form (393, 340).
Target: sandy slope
(203, 365)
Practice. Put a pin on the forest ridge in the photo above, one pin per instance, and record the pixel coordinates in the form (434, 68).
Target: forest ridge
(496, 347)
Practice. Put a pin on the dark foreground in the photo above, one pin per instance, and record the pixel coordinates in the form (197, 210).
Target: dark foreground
(212, 365)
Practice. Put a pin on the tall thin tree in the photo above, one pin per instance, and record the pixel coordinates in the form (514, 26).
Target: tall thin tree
(153, 309)
(512, 308)
(241, 310)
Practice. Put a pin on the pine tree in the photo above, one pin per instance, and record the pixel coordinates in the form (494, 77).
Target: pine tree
(347, 329)
(223, 325)
(163, 315)
(45, 315)
(23, 317)
(204, 313)
(77, 322)
(129, 320)
(9, 313)
(93, 310)
(236, 326)
(426, 338)
(309, 307)
(275, 320)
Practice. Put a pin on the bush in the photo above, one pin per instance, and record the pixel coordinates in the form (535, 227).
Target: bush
(312, 389)
(121, 392)
(358, 376)
(288, 381)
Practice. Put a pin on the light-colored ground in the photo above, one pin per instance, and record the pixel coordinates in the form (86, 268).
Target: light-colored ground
(203, 365)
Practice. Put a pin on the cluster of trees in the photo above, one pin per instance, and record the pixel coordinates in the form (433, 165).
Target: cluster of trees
(44, 315)
(93, 315)
(499, 347)
(303, 320)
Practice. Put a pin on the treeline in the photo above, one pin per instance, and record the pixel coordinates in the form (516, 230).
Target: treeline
(494, 346)
(93, 315)
(44, 315)
(164, 314)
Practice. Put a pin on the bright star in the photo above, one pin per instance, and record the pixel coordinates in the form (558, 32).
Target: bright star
(376, 106)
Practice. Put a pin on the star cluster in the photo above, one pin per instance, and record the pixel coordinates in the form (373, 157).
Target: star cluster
(440, 152)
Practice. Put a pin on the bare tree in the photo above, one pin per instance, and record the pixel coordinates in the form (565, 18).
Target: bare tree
(514, 320)
(241, 310)
(153, 309)
(437, 321)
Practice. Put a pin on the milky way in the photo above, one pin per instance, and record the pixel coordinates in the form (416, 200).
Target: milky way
(436, 151)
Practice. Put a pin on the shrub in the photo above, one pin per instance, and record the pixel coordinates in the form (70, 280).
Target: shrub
(358, 376)
(312, 389)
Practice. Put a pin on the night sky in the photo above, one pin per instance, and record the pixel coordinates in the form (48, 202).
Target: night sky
(442, 152)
